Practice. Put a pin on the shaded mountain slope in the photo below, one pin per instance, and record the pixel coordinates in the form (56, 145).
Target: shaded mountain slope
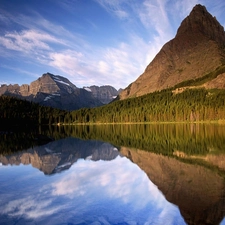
(58, 92)
(196, 50)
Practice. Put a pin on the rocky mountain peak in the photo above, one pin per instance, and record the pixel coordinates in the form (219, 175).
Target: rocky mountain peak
(104, 93)
(58, 92)
(196, 50)
(201, 22)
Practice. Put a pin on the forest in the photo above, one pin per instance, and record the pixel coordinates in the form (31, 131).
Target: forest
(14, 112)
(190, 105)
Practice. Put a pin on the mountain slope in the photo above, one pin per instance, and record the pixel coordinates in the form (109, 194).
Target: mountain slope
(196, 50)
(58, 92)
(104, 93)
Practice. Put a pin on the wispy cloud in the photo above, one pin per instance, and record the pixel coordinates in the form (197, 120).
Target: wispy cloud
(29, 207)
(103, 65)
(118, 65)
(69, 53)
(115, 7)
(183, 8)
(145, 25)
(28, 41)
(154, 16)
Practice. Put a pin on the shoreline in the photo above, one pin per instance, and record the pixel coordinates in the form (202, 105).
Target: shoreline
(222, 121)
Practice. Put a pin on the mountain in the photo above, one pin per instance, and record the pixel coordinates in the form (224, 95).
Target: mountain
(55, 91)
(196, 50)
(104, 93)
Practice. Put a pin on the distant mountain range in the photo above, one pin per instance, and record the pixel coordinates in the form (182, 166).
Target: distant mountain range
(197, 50)
(60, 155)
(58, 92)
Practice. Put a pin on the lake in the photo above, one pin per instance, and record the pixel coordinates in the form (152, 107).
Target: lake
(113, 174)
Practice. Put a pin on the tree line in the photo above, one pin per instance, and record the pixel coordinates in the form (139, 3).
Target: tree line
(14, 111)
(188, 106)
(163, 106)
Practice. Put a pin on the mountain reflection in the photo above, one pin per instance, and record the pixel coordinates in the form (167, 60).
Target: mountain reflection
(199, 192)
(60, 155)
(90, 192)
(171, 174)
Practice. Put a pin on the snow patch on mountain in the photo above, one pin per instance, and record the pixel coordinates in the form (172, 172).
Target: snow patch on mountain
(48, 98)
(62, 82)
(87, 89)
(51, 96)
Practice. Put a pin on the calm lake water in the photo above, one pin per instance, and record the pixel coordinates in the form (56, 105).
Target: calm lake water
(113, 174)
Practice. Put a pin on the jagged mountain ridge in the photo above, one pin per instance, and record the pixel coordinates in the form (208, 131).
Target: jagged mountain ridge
(196, 50)
(58, 92)
(104, 93)
(60, 155)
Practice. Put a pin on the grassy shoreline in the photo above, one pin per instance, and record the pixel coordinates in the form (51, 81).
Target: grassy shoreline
(222, 121)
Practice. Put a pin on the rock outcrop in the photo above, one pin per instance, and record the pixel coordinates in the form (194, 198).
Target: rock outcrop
(197, 49)
(55, 91)
(104, 93)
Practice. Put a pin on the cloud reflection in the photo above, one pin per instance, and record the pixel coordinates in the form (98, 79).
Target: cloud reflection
(104, 192)
(29, 208)
(118, 183)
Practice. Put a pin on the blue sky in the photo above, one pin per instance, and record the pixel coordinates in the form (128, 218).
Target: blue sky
(90, 42)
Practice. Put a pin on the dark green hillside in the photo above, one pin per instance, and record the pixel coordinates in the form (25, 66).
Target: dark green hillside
(189, 106)
(14, 112)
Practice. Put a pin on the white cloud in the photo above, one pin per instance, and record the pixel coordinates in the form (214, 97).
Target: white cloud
(67, 61)
(103, 66)
(29, 207)
(28, 41)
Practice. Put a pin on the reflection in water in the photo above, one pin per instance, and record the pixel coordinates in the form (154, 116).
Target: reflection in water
(90, 192)
(199, 192)
(166, 139)
(185, 161)
(60, 155)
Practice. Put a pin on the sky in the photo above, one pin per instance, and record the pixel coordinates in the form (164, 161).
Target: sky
(90, 42)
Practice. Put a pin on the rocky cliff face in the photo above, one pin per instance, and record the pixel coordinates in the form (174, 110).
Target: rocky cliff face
(54, 91)
(197, 49)
(104, 93)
